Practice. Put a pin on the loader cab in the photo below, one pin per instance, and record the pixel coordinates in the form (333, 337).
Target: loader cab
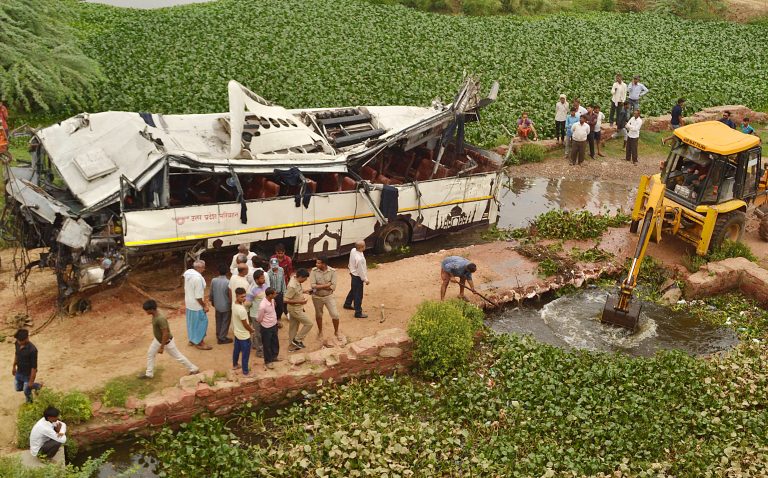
(712, 164)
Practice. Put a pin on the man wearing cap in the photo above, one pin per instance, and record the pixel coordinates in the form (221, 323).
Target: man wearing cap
(635, 91)
(561, 114)
(276, 276)
(618, 97)
(456, 266)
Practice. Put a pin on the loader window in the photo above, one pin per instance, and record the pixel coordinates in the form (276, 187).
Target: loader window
(719, 186)
(752, 173)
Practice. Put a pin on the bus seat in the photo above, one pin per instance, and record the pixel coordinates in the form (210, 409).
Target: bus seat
(368, 173)
(328, 183)
(270, 189)
(348, 184)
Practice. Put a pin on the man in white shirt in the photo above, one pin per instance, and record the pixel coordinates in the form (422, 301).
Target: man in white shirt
(580, 110)
(618, 97)
(253, 266)
(196, 308)
(358, 270)
(580, 132)
(243, 249)
(633, 136)
(48, 434)
(599, 118)
(635, 91)
(561, 113)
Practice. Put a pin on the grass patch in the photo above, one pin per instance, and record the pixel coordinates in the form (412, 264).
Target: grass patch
(117, 390)
(651, 277)
(594, 254)
(527, 153)
(11, 467)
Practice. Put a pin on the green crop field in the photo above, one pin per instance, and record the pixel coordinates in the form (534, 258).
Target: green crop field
(309, 53)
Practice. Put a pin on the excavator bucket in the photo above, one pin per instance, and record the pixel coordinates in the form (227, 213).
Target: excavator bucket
(613, 316)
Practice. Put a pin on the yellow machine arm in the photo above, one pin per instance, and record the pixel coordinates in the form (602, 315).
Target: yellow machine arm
(622, 311)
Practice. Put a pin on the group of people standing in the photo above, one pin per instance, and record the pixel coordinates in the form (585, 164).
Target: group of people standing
(578, 127)
(252, 302)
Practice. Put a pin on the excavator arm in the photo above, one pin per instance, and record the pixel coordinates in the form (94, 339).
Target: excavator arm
(621, 310)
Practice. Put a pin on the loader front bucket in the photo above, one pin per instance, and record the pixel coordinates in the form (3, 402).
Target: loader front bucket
(628, 319)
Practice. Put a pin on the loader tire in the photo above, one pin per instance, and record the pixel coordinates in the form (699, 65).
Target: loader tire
(728, 226)
(763, 229)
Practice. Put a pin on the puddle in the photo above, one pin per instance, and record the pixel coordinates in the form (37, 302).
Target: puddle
(525, 198)
(574, 322)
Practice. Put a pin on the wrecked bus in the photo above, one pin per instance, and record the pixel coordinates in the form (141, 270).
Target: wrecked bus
(104, 189)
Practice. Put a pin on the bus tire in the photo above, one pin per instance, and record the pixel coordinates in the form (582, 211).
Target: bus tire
(393, 235)
(728, 226)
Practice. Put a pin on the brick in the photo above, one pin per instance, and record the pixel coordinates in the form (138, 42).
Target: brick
(203, 390)
(223, 410)
(391, 337)
(285, 382)
(186, 399)
(224, 389)
(182, 417)
(133, 403)
(156, 421)
(332, 360)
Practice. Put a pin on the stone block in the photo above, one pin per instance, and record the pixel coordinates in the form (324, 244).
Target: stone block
(156, 406)
(186, 399)
(390, 352)
(95, 407)
(297, 359)
(191, 381)
(223, 410)
(331, 360)
(182, 416)
(364, 348)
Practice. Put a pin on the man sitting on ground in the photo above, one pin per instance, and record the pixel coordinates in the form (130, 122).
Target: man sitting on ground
(48, 434)
(455, 266)
(525, 128)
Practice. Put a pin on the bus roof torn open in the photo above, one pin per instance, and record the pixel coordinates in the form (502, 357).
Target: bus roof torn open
(106, 185)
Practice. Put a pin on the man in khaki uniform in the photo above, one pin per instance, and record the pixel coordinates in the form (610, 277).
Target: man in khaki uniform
(323, 283)
(294, 300)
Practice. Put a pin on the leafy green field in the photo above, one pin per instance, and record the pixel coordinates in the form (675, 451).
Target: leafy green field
(302, 53)
(520, 409)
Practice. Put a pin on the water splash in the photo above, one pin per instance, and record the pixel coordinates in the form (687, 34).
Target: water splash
(574, 322)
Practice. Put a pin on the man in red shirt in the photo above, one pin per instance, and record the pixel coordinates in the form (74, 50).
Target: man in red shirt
(284, 261)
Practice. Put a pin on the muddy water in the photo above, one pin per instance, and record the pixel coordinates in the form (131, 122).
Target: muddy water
(574, 322)
(525, 198)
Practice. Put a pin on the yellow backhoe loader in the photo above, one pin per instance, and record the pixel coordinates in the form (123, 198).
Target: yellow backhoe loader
(701, 196)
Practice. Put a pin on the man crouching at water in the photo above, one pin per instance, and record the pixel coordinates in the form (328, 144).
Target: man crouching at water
(455, 266)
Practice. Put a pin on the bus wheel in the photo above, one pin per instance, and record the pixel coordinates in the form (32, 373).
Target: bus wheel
(728, 226)
(392, 236)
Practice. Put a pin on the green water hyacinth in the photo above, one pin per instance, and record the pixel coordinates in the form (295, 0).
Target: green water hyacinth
(307, 53)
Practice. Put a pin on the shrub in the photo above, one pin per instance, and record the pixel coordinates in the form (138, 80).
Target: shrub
(481, 7)
(75, 407)
(727, 250)
(559, 224)
(443, 335)
(115, 394)
(530, 153)
(730, 249)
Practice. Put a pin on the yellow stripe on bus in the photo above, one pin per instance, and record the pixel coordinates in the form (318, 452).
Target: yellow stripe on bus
(295, 224)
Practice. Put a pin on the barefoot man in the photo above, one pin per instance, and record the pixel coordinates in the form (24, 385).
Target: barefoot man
(455, 266)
